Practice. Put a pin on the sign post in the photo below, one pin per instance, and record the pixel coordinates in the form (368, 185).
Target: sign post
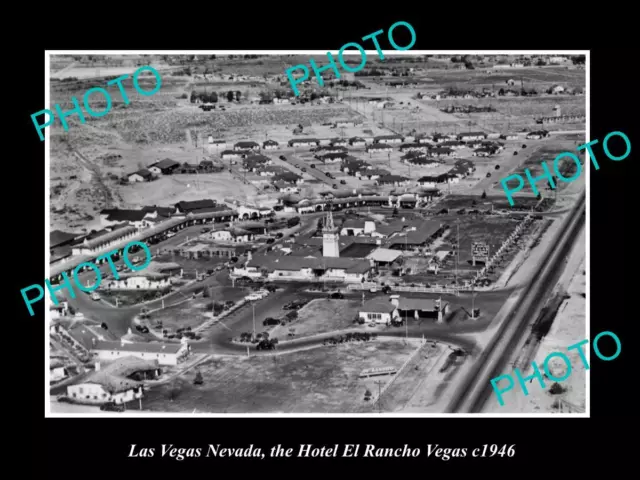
(479, 251)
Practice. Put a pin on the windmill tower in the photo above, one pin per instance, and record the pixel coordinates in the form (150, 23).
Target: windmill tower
(330, 237)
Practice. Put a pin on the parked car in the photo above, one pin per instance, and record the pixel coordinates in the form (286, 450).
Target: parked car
(343, 182)
(205, 230)
(336, 295)
(112, 407)
(303, 169)
(488, 174)
(95, 296)
(328, 174)
(313, 165)
(335, 186)
(282, 157)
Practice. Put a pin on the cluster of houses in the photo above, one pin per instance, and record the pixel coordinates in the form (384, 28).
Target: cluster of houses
(169, 167)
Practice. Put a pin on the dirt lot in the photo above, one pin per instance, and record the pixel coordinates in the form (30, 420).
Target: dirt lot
(322, 380)
(320, 316)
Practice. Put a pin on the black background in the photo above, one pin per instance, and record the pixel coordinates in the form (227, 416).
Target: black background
(99, 447)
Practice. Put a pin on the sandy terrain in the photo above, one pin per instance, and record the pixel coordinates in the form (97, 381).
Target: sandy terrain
(322, 380)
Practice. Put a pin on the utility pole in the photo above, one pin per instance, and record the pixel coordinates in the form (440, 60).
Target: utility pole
(457, 250)
(253, 305)
(473, 302)
(379, 383)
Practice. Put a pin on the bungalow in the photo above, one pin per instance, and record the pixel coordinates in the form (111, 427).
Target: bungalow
(144, 280)
(319, 151)
(190, 207)
(453, 144)
(474, 143)
(357, 142)
(164, 353)
(233, 235)
(377, 311)
(270, 145)
(423, 139)
(414, 147)
(373, 173)
(433, 180)
(537, 135)
(115, 216)
(142, 175)
(339, 142)
(289, 178)
(101, 387)
(304, 142)
(270, 170)
(441, 152)
(384, 257)
(472, 136)
(380, 147)
(388, 139)
(231, 155)
(164, 167)
(334, 157)
(395, 180)
(283, 187)
(352, 166)
(246, 146)
(483, 152)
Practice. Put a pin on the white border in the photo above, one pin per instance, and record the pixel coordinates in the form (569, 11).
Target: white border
(49, 414)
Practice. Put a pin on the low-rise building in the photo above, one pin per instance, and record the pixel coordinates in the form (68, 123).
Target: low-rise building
(163, 353)
(472, 136)
(377, 311)
(142, 175)
(357, 142)
(388, 139)
(164, 167)
(240, 146)
(304, 142)
(270, 145)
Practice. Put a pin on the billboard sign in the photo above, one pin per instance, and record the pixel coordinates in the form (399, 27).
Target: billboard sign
(479, 249)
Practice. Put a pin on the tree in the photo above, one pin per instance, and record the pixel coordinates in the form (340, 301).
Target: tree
(541, 62)
(193, 97)
(230, 96)
(484, 195)
(198, 380)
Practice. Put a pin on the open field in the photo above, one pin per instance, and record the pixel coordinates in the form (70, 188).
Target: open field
(169, 190)
(320, 316)
(323, 380)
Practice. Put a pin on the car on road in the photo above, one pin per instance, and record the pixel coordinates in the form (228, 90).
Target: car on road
(334, 186)
(303, 169)
(95, 297)
(112, 407)
(171, 234)
(282, 157)
(336, 295)
(205, 230)
(313, 165)
(328, 174)
(488, 174)
(343, 182)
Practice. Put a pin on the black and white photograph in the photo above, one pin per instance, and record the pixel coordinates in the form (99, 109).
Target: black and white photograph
(235, 234)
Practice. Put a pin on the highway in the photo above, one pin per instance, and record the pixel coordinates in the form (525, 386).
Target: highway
(476, 388)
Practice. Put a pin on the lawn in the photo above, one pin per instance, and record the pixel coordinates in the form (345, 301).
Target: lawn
(320, 316)
(322, 380)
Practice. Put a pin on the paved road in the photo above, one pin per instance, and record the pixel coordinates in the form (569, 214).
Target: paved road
(476, 388)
